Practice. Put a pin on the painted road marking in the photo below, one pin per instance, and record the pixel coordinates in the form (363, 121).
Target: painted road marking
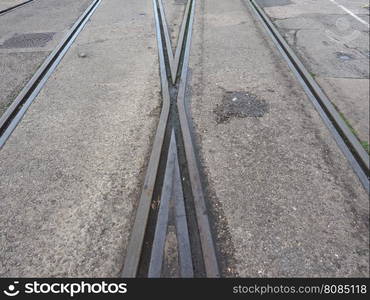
(350, 13)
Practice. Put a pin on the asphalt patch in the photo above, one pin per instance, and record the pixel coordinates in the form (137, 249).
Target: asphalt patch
(240, 105)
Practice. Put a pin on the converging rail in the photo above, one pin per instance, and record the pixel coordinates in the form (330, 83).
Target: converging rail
(172, 177)
(344, 137)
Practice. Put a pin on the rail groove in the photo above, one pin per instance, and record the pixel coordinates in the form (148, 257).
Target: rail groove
(14, 7)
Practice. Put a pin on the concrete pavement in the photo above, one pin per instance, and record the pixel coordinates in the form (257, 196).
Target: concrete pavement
(71, 172)
(175, 10)
(284, 200)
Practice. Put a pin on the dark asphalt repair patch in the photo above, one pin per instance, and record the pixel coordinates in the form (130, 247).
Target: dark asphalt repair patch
(271, 3)
(28, 40)
(240, 105)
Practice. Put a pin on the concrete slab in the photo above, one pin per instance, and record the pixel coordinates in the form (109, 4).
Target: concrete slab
(71, 173)
(332, 44)
(358, 7)
(27, 36)
(284, 200)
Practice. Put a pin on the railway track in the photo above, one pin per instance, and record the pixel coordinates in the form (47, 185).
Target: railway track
(14, 7)
(342, 134)
(172, 238)
(15, 112)
(172, 175)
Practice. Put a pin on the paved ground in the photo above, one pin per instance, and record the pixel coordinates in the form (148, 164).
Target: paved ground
(71, 172)
(27, 36)
(334, 45)
(284, 200)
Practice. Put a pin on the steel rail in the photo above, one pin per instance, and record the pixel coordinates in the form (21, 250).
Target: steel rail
(134, 248)
(173, 124)
(14, 7)
(348, 143)
(15, 112)
(208, 248)
(174, 60)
